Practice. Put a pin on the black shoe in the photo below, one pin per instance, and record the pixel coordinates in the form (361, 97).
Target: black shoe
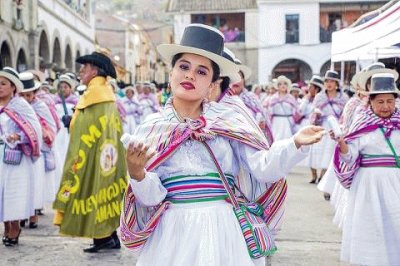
(116, 240)
(110, 244)
(39, 212)
(313, 181)
(327, 196)
(9, 242)
(33, 225)
(23, 222)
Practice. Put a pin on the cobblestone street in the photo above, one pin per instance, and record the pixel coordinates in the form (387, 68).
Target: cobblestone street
(308, 236)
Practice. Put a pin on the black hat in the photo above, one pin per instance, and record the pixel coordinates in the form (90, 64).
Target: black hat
(29, 82)
(317, 81)
(202, 40)
(100, 60)
(332, 75)
(373, 69)
(383, 83)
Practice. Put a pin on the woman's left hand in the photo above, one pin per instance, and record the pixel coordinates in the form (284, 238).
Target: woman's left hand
(309, 135)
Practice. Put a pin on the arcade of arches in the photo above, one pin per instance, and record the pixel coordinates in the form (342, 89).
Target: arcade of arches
(296, 70)
(299, 71)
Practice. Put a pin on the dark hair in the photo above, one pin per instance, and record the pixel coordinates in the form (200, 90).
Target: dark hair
(100, 71)
(225, 84)
(373, 96)
(215, 67)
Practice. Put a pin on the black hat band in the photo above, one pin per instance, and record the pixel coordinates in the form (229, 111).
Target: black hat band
(206, 39)
(10, 72)
(227, 56)
(383, 84)
(28, 84)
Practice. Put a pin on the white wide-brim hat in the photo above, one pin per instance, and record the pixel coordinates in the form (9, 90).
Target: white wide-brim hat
(373, 69)
(29, 82)
(244, 69)
(67, 79)
(202, 40)
(12, 75)
(285, 79)
(39, 74)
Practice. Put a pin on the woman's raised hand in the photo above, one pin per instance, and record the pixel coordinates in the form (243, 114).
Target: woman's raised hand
(137, 156)
(309, 135)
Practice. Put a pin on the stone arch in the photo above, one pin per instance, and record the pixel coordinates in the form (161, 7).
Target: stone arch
(57, 56)
(22, 62)
(6, 54)
(295, 69)
(44, 48)
(77, 65)
(68, 58)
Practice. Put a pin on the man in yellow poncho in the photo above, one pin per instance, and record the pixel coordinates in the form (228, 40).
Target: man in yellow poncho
(88, 203)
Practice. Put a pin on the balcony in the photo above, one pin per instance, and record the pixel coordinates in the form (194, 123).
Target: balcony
(232, 25)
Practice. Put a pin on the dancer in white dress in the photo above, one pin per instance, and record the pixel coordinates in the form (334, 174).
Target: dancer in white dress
(198, 223)
(20, 135)
(329, 102)
(368, 164)
(283, 107)
(43, 173)
(65, 104)
(133, 110)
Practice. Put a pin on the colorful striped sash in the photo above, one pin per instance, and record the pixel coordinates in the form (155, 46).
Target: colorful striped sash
(196, 188)
(373, 160)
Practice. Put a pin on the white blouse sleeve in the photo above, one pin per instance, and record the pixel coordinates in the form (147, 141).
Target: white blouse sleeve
(270, 165)
(351, 156)
(149, 191)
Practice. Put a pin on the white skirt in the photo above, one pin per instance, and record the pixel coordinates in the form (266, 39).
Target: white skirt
(49, 187)
(16, 181)
(371, 229)
(38, 176)
(329, 180)
(322, 152)
(197, 234)
(281, 128)
(60, 149)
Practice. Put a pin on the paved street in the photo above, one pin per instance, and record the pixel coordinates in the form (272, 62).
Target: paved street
(307, 238)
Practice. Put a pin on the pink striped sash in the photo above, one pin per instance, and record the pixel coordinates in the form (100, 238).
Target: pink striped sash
(371, 160)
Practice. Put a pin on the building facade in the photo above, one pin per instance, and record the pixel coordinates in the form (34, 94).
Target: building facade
(275, 37)
(45, 34)
(131, 47)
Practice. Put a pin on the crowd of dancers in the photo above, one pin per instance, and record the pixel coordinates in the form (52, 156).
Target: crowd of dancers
(356, 165)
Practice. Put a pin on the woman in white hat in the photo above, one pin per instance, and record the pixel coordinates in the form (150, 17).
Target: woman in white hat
(133, 110)
(148, 101)
(44, 188)
(172, 172)
(20, 136)
(306, 108)
(65, 103)
(329, 102)
(283, 107)
(368, 164)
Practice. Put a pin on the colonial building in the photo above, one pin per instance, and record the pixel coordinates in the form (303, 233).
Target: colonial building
(132, 47)
(45, 34)
(275, 37)
(237, 19)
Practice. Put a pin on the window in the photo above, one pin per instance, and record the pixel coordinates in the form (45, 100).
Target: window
(292, 28)
(232, 25)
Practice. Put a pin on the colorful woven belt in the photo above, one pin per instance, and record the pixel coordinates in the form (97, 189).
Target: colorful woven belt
(373, 160)
(196, 188)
